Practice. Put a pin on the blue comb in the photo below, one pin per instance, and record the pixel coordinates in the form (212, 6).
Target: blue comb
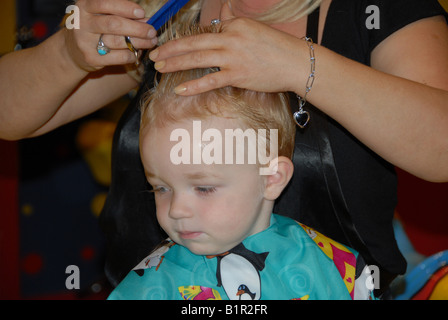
(165, 13)
(161, 17)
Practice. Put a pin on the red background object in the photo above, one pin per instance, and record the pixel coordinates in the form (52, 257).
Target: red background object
(423, 210)
(9, 221)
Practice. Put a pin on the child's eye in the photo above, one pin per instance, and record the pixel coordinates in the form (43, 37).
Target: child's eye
(205, 190)
(160, 189)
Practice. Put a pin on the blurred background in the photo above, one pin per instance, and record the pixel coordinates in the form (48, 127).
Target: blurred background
(52, 189)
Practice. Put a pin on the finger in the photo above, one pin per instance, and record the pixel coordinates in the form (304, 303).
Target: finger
(193, 60)
(188, 45)
(116, 25)
(209, 82)
(123, 8)
(118, 42)
(114, 57)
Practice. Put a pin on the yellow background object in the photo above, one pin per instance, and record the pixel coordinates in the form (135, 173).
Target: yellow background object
(444, 4)
(94, 140)
(7, 26)
(440, 291)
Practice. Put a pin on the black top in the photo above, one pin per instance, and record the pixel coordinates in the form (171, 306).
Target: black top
(340, 187)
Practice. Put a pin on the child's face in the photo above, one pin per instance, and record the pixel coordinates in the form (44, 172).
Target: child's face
(207, 208)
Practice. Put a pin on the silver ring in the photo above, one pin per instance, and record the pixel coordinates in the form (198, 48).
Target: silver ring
(131, 46)
(215, 22)
(132, 49)
(101, 48)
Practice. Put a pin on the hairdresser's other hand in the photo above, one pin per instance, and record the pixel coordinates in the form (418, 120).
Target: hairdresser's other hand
(249, 54)
(115, 19)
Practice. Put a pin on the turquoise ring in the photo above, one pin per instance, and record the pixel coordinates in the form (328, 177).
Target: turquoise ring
(101, 48)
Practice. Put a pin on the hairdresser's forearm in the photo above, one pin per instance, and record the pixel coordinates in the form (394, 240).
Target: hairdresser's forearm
(34, 84)
(405, 122)
(47, 89)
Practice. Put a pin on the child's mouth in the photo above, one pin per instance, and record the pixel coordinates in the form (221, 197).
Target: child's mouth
(189, 234)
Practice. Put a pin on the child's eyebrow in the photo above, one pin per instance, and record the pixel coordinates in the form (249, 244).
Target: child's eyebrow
(200, 175)
(149, 174)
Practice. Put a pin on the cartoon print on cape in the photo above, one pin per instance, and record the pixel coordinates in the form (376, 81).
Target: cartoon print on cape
(238, 273)
(155, 258)
(343, 258)
(198, 293)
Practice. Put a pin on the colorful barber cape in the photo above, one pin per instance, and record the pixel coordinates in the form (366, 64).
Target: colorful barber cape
(286, 261)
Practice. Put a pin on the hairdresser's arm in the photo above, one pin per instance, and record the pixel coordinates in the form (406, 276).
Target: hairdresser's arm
(399, 109)
(64, 78)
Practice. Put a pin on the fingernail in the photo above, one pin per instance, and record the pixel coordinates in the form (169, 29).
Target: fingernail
(159, 65)
(154, 54)
(152, 33)
(139, 13)
(180, 89)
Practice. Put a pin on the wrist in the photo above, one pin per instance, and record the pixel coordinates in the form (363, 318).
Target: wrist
(305, 71)
(301, 116)
(68, 60)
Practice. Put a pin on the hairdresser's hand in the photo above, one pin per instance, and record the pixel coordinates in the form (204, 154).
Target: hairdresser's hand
(249, 54)
(114, 19)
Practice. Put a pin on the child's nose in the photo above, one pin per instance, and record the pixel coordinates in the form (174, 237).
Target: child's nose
(180, 206)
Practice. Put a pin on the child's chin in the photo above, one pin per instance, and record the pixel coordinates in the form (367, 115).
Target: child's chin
(206, 251)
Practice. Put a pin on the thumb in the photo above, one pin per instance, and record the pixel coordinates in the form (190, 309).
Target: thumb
(226, 12)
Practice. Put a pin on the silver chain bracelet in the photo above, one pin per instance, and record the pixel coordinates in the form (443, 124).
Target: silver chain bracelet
(302, 117)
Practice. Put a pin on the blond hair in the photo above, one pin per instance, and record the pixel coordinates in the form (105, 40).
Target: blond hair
(288, 11)
(188, 15)
(255, 110)
(284, 11)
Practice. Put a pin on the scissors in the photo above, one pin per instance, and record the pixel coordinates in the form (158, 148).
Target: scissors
(161, 17)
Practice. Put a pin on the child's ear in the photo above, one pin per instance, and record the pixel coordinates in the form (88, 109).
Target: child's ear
(282, 169)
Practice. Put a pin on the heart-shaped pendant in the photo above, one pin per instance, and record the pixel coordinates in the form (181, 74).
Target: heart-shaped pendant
(301, 118)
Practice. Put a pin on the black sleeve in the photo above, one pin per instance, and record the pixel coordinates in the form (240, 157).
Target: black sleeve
(396, 14)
